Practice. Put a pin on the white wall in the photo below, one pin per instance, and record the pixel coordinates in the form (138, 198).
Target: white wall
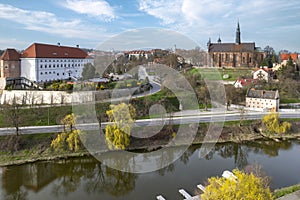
(28, 68)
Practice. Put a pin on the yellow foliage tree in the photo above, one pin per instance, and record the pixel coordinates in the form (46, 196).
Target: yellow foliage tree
(246, 186)
(117, 133)
(69, 139)
(274, 125)
(69, 121)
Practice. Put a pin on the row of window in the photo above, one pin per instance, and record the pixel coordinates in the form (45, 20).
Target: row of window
(46, 73)
(262, 100)
(61, 65)
(226, 58)
(259, 103)
(76, 60)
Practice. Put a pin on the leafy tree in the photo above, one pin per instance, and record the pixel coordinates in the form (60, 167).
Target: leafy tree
(122, 117)
(246, 186)
(69, 139)
(273, 124)
(88, 71)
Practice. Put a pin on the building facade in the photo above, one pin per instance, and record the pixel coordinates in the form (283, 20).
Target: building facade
(44, 62)
(262, 74)
(262, 100)
(236, 54)
(10, 64)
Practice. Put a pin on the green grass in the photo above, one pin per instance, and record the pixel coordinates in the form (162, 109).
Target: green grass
(284, 191)
(283, 100)
(244, 123)
(217, 74)
(38, 116)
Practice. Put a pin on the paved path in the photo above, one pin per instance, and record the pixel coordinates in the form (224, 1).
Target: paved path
(292, 196)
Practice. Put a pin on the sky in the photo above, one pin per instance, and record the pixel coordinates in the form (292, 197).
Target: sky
(91, 23)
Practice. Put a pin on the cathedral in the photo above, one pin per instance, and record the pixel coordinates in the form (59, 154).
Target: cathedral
(237, 55)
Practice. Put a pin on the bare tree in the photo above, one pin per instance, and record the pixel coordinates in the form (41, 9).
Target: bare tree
(13, 115)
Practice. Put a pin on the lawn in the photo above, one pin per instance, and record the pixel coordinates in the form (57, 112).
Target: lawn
(217, 74)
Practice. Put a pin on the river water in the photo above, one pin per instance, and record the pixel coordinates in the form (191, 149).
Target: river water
(87, 178)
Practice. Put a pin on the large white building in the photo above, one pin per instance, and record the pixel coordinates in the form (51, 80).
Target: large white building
(44, 62)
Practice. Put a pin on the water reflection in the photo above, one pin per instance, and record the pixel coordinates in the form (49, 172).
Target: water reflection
(65, 176)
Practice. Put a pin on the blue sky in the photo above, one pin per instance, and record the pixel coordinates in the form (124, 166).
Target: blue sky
(92, 22)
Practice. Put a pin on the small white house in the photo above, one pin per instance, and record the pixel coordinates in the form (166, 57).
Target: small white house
(261, 74)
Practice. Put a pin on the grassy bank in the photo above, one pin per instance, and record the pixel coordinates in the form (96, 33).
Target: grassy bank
(36, 116)
(285, 191)
(30, 148)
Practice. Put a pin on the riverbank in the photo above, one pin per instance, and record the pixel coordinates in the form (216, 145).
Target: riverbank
(32, 148)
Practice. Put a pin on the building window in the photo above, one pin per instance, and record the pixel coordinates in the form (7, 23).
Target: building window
(49, 66)
(45, 72)
(227, 57)
(41, 66)
(49, 72)
(41, 73)
(57, 74)
(45, 66)
(63, 74)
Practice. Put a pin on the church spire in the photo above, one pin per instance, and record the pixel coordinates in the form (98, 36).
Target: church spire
(238, 34)
(219, 40)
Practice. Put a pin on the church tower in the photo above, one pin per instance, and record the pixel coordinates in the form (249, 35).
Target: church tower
(238, 34)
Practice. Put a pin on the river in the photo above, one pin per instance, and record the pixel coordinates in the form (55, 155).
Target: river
(87, 178)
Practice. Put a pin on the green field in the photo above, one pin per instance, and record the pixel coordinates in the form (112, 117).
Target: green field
(217, 74)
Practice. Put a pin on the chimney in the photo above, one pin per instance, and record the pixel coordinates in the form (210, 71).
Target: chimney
(77, 45)
(58, 44)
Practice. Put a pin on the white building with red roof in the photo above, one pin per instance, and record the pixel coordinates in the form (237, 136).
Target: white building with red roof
(45, 62)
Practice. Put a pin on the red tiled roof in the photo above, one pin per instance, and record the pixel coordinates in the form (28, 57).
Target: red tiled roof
(285, 56)
(231, 47)
(37, 50)
(10, 55)
(137, 52)
(246, 82)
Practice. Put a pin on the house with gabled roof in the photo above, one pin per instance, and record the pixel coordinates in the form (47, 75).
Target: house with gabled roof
(262, 74)
(45, 62)
(263, 100)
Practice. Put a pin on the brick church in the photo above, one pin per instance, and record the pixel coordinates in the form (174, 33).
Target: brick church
(236, 54)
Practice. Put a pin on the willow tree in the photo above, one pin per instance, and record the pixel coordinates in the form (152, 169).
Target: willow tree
(274, 125)
(117, 133)
(69, 138)
(245, 186)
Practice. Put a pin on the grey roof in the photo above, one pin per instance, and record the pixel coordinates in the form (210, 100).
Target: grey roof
(231, 47)
(263, 94)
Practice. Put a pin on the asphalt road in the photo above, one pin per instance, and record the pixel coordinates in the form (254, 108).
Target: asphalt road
(202, 117)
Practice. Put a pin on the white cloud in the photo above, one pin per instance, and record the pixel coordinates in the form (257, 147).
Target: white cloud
(167, 11)
(94, 8)
(47, 22)
(209, 18)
